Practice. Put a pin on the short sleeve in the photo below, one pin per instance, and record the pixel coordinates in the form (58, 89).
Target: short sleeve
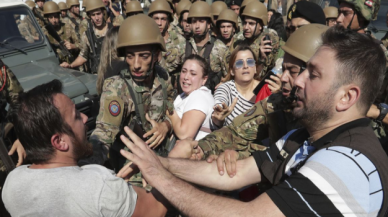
(200, 100)
(118, 198)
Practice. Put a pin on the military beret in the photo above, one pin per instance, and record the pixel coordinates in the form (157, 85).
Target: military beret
(309, 11)
(234, 2)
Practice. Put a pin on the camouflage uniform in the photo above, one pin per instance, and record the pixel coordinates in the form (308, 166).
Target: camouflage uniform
(239, 24)
(116, 94)
(85, 50)
(174, 56)
(40, 21)
(216, 56)
(66, 33)
(117, 21)
(247, 131)
(77, 19)
(83, 26)
(9, 93)
(255, 46)
(27, 29)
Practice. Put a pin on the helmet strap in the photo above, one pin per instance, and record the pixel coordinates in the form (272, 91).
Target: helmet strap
(203, 35)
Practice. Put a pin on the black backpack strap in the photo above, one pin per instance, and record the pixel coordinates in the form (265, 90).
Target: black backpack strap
(189, 49)
(208, 50)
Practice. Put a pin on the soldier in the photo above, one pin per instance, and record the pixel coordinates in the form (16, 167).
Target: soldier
(303, 13)
(26, 26)
(115, 18)
(10, 89)
(133, 8)
(139, 97)
(227, 25)
(64, 30)
(356, 15)
(270, 118)
(94, 35)
(183, 13)
(63, 7)
(74, 15)
(213, 50)
(175, 43)
(235, 5)
(254, 18)
(217, 7)
(38, 12)
(331, 14)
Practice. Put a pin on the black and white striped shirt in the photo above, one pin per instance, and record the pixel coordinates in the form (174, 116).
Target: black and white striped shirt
(226, 93)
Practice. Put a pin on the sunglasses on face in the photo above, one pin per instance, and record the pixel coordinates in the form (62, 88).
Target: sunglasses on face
(240, 63)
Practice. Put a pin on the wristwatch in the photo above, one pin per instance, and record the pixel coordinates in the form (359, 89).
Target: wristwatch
(383, 111)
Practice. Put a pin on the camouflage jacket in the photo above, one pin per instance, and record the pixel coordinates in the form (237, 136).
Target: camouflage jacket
(12, 88)
(39, 12)
(28, 30)
(239, 25)
(117, 21)
(117, 107)
(255, 46)
(85, 49)
(83, 26)
(65, 33)
(174, 56)
(216, 56)
(247, 132)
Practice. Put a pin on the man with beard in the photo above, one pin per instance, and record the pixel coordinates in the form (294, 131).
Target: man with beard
(64, 30)
(172, 59)
(227, 25)
(334, 166)
(53, 133)
(94, 35)
(213, 50)
(183, 13)
(270, 118)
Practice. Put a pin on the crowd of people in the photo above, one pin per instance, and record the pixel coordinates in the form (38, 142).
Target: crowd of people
(222, 109)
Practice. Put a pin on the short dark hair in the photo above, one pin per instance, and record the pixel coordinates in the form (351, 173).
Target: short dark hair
(36, 119)
(202, 62)
(361, 60)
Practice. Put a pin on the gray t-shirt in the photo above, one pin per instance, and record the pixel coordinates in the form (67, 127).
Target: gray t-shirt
(90, 190)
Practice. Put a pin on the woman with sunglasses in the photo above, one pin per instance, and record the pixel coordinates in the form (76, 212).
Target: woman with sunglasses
(193, 107)
(235, 95)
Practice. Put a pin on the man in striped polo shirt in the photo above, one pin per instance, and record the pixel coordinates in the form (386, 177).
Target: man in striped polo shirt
(334, 166)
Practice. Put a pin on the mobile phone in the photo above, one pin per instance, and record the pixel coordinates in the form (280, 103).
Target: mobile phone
(267, 38)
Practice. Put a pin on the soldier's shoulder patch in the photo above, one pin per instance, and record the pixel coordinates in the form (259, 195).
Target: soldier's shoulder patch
(114, 108)
(251, 111)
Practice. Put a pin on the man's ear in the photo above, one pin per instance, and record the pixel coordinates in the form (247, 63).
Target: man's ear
(58, 142)
(349, 96)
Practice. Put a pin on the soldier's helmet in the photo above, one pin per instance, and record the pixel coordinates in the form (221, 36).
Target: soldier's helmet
(217, 7)
(229, 16)
(50, 8)
(160, 6)
(244, 4)
(331, 12)
(256, 10)
(84, 3)
(71, 3)
(199, 9)
(147, 33)
(95, 4)
(183, 5)
(304, 42)
(30, 4)
(62, 6)
(133, 7)
(368, 8)
(171, 4)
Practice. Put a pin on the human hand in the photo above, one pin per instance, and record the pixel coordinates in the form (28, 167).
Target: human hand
(218, 85)
(18, 147)
(183, 148)
(274, 84)
(69, 45)
(223, 111)
(229, 158)
(65, 65)
(143, 157)
(158, 132)
(264, 49)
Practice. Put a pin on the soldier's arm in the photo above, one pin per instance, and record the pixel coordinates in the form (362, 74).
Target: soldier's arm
(83, 54)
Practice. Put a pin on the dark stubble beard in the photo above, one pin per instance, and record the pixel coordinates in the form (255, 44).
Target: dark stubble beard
(82, 149)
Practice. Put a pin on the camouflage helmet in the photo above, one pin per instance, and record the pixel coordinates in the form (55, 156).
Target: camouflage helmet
(30, 4)
(133, 7)
(50, 8)
(229, 16)
(304, 42)
(71, 3)
(244, 4)
(368, 8)
(147, 33)
(199, 9)
(62, 6)
(256, 10)
(95, 4)
(331, 12)
(160, 6)
(182, 5)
